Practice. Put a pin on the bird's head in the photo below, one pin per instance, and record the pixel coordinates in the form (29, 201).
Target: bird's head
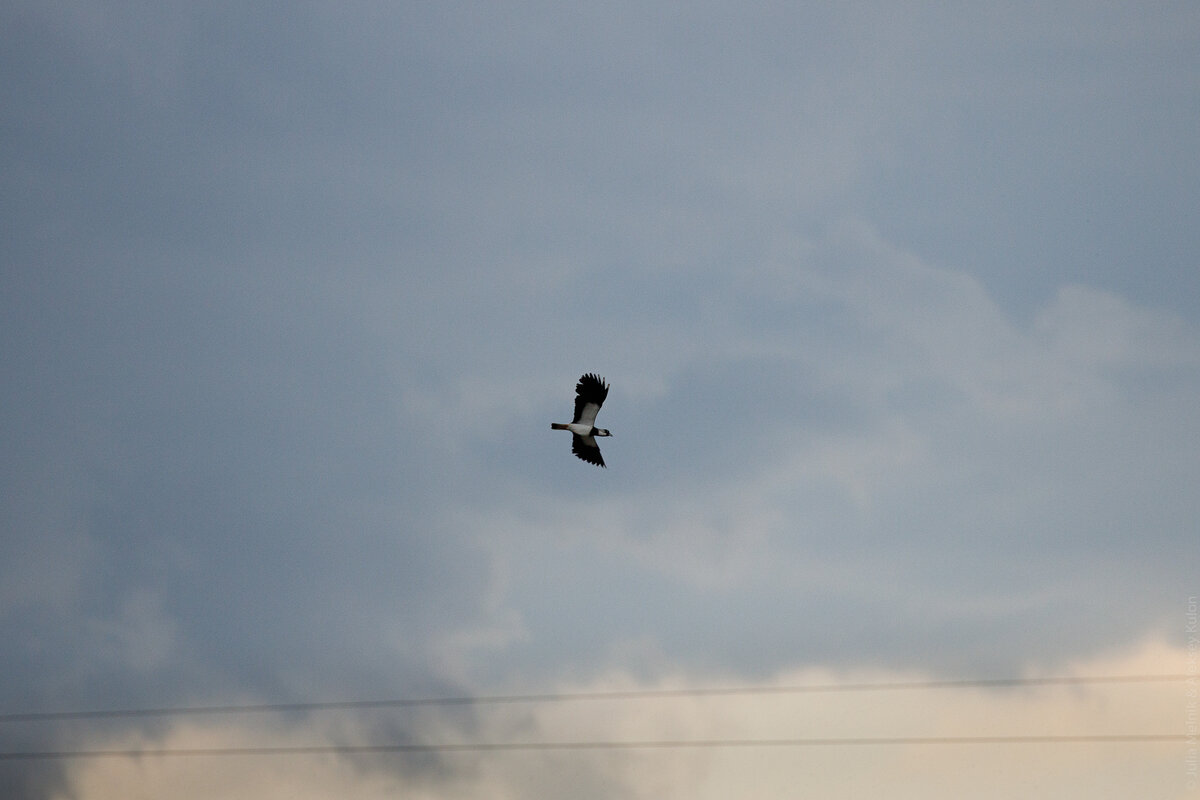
(601, 432)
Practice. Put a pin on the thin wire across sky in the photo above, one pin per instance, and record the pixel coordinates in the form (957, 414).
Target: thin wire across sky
(560, 697)
(577, 746)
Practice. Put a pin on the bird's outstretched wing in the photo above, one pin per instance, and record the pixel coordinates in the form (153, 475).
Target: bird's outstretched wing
(585, 447)
(590, 393)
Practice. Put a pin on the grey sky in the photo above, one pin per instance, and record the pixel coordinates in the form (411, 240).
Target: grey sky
(899, 307)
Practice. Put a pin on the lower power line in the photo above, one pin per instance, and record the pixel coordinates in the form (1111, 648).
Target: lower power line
(678, 744)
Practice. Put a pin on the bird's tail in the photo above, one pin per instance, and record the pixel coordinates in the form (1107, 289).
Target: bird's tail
(558, 426)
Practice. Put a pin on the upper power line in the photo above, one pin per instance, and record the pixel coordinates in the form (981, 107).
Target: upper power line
(557, 697)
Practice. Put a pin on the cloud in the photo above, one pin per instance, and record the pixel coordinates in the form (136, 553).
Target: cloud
(895, 305)
(140, 638)
(991, 770)
(900, 477)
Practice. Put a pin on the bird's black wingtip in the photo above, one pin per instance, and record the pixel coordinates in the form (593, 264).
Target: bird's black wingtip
(592, 387)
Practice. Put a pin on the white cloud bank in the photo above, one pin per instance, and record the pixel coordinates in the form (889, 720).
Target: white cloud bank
(897, 448)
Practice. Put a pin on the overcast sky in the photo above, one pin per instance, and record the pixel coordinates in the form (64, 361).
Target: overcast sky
(900, 307)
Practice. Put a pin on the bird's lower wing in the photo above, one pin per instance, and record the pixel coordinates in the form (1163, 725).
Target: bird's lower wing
(585, 447)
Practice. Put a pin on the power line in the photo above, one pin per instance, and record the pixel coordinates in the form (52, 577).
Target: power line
(673, 744)
(631, 694)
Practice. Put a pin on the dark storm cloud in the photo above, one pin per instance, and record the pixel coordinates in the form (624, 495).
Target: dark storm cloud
(173, 530)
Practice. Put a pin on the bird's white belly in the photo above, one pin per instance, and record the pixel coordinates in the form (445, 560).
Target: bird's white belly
(579, 428)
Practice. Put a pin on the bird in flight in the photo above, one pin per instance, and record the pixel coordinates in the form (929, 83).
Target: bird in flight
(589, 396)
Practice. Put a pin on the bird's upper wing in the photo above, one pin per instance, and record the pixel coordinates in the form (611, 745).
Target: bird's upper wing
(590, 393)
(585, 447)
